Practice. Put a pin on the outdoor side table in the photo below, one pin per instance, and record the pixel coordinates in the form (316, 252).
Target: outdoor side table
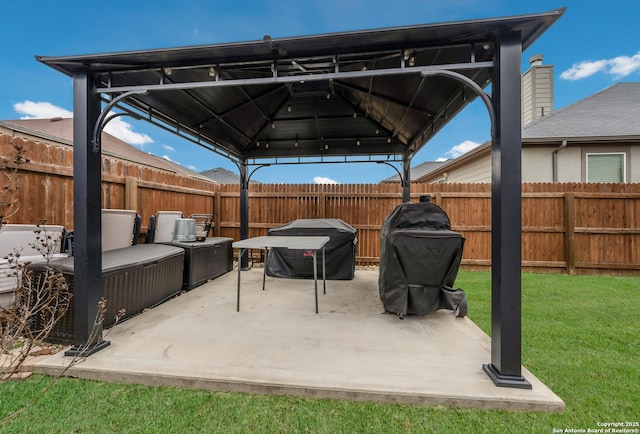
(310, 243)
(205, 260)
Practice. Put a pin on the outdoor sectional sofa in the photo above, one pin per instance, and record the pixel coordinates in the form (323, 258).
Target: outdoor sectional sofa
(134, 277)
(141, 276)
(22, 239)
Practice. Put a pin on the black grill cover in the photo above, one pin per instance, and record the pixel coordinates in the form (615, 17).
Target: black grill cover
(340, 251)
(419, 261)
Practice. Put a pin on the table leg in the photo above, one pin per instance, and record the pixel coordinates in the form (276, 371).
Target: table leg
(324, 274)
(315, 275)
(264, 271)
(240, 253)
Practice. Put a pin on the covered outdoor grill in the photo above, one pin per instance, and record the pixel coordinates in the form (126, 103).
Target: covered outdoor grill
(340, 251)
(419, 260)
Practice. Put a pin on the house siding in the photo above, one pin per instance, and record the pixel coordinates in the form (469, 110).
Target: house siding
(476, 171)
(537, 162)
(536, 165)
(569, 167)
(634, 164)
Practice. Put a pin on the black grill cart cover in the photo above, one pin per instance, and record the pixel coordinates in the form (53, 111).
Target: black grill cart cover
(340, 251)
(419, 261)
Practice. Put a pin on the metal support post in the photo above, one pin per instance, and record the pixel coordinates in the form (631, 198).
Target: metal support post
(243, 261)
(87, 227)
(506, 222)
(406, 178)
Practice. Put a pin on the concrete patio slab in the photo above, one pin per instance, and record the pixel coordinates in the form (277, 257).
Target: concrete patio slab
(277, 344)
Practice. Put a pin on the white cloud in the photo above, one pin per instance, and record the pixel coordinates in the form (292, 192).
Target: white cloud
(192, 167)
(619, 67)
(583, 70)
(622, 66)
(116, 127)
(462, 148)
(324, 180)
(124, 131)
(168, 148)
(40, 110)
(166, 157)
(441, 159)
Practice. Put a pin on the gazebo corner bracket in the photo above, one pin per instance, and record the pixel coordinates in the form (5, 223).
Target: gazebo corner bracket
(105, 118)
(394, 168)
(486, 98)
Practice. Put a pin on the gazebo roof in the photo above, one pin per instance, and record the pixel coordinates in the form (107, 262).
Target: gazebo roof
(362, 93)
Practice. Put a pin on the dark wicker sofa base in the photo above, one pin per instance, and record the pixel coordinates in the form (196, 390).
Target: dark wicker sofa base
(133, 278)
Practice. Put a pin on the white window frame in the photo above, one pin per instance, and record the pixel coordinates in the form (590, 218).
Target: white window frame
(624, 163)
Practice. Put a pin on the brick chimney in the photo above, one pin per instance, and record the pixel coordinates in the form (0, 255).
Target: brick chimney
(537, 90)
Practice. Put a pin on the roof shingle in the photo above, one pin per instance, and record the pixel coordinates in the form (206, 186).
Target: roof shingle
(612, 112)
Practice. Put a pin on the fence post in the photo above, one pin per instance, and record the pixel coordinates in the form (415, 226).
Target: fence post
(437, 198)
(570, 226)
(131, 193)
(321, 204)
(217, 213)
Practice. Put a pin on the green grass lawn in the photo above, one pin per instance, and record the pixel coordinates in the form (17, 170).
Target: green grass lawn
(581, 337)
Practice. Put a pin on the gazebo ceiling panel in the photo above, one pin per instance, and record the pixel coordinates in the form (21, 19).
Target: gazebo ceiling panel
(356, 93)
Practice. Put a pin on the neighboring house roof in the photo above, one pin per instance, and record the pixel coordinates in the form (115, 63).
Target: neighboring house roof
(61, 130)
(178, 168)
(610, 113)
(220, 175)
(419, 171)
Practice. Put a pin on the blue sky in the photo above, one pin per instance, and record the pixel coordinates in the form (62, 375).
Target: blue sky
(593, 46)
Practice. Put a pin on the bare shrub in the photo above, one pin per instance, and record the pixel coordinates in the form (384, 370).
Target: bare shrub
(38, 305)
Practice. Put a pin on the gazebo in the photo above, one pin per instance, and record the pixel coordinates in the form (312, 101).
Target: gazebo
(363, 96)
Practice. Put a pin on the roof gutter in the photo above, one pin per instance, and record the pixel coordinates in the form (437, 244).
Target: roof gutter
(554, 159)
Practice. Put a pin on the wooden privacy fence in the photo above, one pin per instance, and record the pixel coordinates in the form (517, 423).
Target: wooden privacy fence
(45, 185)
(575, 228)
